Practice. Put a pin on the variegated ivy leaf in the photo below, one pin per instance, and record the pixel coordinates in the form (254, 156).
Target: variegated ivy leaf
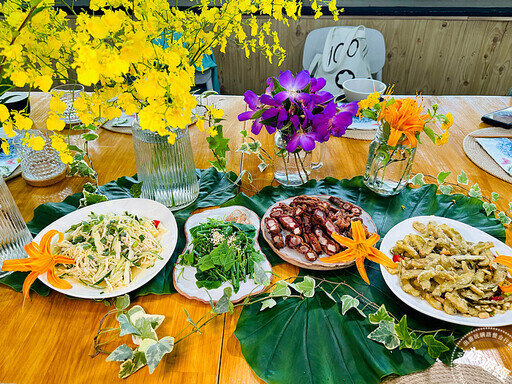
(146, 329)
(489, 207)
(139, 317)
(306, 287)
(462, 178)
(418, 179)
(224, 304)
(475, 191)
(126, 327)
(502, 216)
(131, 366)
(121, 353)
(510, 206)
(329, 295)
(269, 303)
(348, 302)
(495, 196)
(385, 334)
(145, 344)
(407, 339)
(380, 315)
(122, 302)
(281, 289)
(445, 189)
(244, 148)
(260, 276)
(189, 319)
(441, 176)
(156, 351)
(262, 166)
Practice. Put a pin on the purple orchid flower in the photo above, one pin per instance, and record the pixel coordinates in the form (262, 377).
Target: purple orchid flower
(254, 103)
(335, 123)
(317, 84)
(294, 86)
(306, 140)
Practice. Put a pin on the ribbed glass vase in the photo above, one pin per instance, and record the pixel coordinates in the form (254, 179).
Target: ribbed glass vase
(14, 233)
(167, 171)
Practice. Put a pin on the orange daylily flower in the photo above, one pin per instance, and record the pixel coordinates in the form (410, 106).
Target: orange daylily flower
(40, 260)
(404, 117)
(359, 248)
(506, 261)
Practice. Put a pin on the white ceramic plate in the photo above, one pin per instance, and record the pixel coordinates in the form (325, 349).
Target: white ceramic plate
(296, 258)
(184, 275)
(399, 231)
(141, 207)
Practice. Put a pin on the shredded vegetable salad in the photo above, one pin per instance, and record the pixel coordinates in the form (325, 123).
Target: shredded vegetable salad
(109, 249)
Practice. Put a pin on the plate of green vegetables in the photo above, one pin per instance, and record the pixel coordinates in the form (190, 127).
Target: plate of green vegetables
(222, 251)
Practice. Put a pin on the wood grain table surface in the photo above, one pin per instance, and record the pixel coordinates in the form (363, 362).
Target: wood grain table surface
(49, 339)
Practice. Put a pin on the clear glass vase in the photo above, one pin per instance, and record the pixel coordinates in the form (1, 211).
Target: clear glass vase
(388, 168)
(293, 169)
(14, 234)
(167, 171)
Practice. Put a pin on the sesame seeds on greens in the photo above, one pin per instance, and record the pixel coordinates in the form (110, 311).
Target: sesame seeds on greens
(222, 251)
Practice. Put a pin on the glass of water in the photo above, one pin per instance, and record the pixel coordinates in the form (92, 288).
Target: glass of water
(14, 234)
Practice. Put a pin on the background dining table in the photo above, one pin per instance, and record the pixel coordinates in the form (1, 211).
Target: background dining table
(50, 339)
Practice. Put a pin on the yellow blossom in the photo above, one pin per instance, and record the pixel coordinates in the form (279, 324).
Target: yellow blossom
(57, 105)
(36, 143)
(8, 128)
(369, 102)
(4, 113)
(4, 146)
(448, 123)
(22, 122)
(443, 139)
(54, 123)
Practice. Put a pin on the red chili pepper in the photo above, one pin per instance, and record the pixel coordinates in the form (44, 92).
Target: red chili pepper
(497, 298)
(397, 258)
(156, 223)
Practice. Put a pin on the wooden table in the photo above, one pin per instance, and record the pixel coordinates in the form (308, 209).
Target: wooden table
(49, 339)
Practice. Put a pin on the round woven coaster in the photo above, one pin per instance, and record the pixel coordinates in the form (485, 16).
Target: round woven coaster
(480, 157)
(360, 134)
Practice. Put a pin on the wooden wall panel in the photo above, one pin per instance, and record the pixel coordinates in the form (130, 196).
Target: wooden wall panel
(450, 56)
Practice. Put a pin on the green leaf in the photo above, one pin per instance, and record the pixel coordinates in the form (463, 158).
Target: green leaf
(462, 178)
(495, 196)
(122, 302)
(224, 304)
(306, 287)
(254, 146)
(189, 319)
(435, 347)
(441, 176)
(126, 327)
(380, 315)
(503, 218)
(403, 333)
(418, 179)
(89, 136)
(475, 191)
(218, 143)
(244, 148)
(219, 164)
(260, 276)
(243, 133)
(445, 189)
(136, 190)
(348, 302)
(74, 148)
(146, 329)
(430, 133)
(121, 353)
(269, 303)
(489, 207)
(386, 335)
(92, 198)
(156, 351)
(131, 366)
(510, 207)
(281, 289)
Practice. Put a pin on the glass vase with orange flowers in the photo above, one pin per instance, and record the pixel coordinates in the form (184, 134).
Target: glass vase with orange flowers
(391, 153)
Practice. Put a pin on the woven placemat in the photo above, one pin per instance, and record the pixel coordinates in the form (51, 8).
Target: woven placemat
(441, 374)
(360, 134)
(481, 158)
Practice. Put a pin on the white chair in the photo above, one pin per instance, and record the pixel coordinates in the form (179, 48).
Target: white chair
(376, 48)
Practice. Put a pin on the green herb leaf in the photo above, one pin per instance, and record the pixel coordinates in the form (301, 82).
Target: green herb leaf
(435, 347)
(224, 304)
(441, 176)
(475, 191)
(269, 303)
(156, 351)
(385, 334)
(495, 196)
(489, 207)
(445, 189)
(418, 179)
(281, 289)
(121, 353)
(306, 286)
(462, 178)
(122, 302)
(136, 190)
(380, 315)
(348, 302)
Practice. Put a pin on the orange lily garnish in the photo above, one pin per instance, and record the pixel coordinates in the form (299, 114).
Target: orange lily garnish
(506, 261)
(40, 260)
(404, 117)
(359, 248)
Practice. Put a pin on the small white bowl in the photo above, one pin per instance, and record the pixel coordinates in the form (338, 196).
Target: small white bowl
(360, 89)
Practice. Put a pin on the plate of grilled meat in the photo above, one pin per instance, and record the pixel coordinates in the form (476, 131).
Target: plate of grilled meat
(299, 229)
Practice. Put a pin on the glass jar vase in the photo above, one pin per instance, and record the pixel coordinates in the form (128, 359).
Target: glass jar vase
(388, 168)
(167, 171)
(293, 169)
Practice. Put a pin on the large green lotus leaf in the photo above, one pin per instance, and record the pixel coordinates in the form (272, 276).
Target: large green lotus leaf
(214, 189)
(309, 341)
(385, 211)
